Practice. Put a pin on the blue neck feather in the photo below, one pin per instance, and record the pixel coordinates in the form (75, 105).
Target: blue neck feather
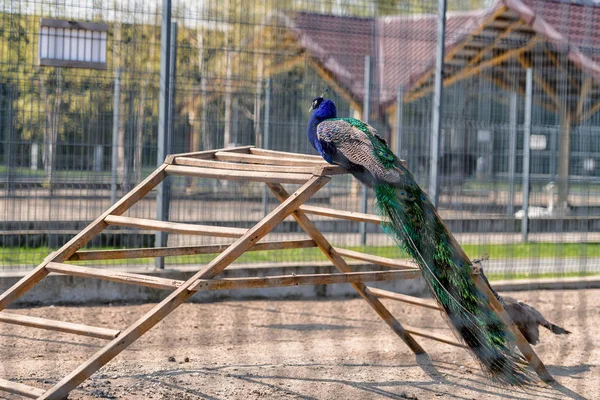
(326, 110)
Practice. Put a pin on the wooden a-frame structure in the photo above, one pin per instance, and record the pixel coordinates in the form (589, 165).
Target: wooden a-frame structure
(242, 163)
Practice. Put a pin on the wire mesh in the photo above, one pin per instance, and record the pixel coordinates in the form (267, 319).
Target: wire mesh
(245, 74)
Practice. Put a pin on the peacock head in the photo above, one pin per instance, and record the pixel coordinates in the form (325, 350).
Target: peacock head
(323, 109)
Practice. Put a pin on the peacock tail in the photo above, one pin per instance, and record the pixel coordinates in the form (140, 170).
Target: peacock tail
(412, 221)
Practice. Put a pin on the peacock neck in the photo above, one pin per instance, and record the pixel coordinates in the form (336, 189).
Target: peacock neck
(312, 130)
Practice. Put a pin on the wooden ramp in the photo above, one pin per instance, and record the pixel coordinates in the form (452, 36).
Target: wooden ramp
(242, 164)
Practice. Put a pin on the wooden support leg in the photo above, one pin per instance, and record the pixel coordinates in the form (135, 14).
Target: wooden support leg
(281, 194)
(29, 280)
(177, 297)
(532, 358)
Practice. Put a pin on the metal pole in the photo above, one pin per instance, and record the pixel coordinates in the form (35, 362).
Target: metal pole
(436, 122)
(265, 195)
(362, 227)
(526, 153)
(399, 119)
(512, 157)
(164, 119)
(115, 138)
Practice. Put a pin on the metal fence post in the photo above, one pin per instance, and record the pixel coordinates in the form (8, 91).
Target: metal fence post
(265, 141)
(527, 153)
(399, 119)
(115, 137)
(436, 125)
(512, 156)
(167, 49)
(362, 227)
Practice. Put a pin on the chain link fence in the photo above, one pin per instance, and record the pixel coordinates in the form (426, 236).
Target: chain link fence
(244, 73)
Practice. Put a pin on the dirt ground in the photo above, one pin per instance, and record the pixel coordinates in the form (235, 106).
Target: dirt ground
(334, 349)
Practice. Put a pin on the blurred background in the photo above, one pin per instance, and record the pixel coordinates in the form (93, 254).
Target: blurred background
(79, 131)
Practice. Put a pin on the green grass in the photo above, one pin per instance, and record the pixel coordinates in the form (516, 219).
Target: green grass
(32, 256)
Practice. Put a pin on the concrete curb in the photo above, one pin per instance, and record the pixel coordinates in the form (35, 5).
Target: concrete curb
(63, 289)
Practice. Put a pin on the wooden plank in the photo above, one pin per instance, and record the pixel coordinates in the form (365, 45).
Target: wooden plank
(303, 279)
(530, 355)
(207, 154)
(59, 326)
(66, 251)
(174, 227)
(195, 162)
(184, 250)
(273, 160)
(114, 276)
(20, 389)
(273, 153)
(341, 265)
(249, 176)
(440, 338)
(383, 261)
(347, 215)
(171, 302)
(386, 294)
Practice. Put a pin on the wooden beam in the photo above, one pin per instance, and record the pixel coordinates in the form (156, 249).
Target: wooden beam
(498, 39)
(248, 176)
(516, 86)
(256, 159)
(208, 154)
(20, 389)
(383, 261)
(586, 86)
(590, 112)
(451, 52)
(97, 226)
(532, 358)
(184, 250)
(288, 64)
(175, 227)
(181, 294)
(273, 153)
(282, 195)
(468, 72)
(386, 294)
(347, 215)
(559, 66)
(305, 279)
(426, 333)
(549, 90)
(333, 84)
(194, 162)
(114, 276)
(58, 326)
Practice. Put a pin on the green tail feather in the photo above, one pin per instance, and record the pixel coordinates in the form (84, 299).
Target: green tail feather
(414, 224)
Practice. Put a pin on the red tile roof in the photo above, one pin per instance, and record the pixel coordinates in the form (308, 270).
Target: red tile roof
(404, 46)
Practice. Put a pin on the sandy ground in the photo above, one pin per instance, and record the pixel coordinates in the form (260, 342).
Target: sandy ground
(296, 350)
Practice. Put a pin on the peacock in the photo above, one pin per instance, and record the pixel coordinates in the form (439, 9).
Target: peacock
(412, 221)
